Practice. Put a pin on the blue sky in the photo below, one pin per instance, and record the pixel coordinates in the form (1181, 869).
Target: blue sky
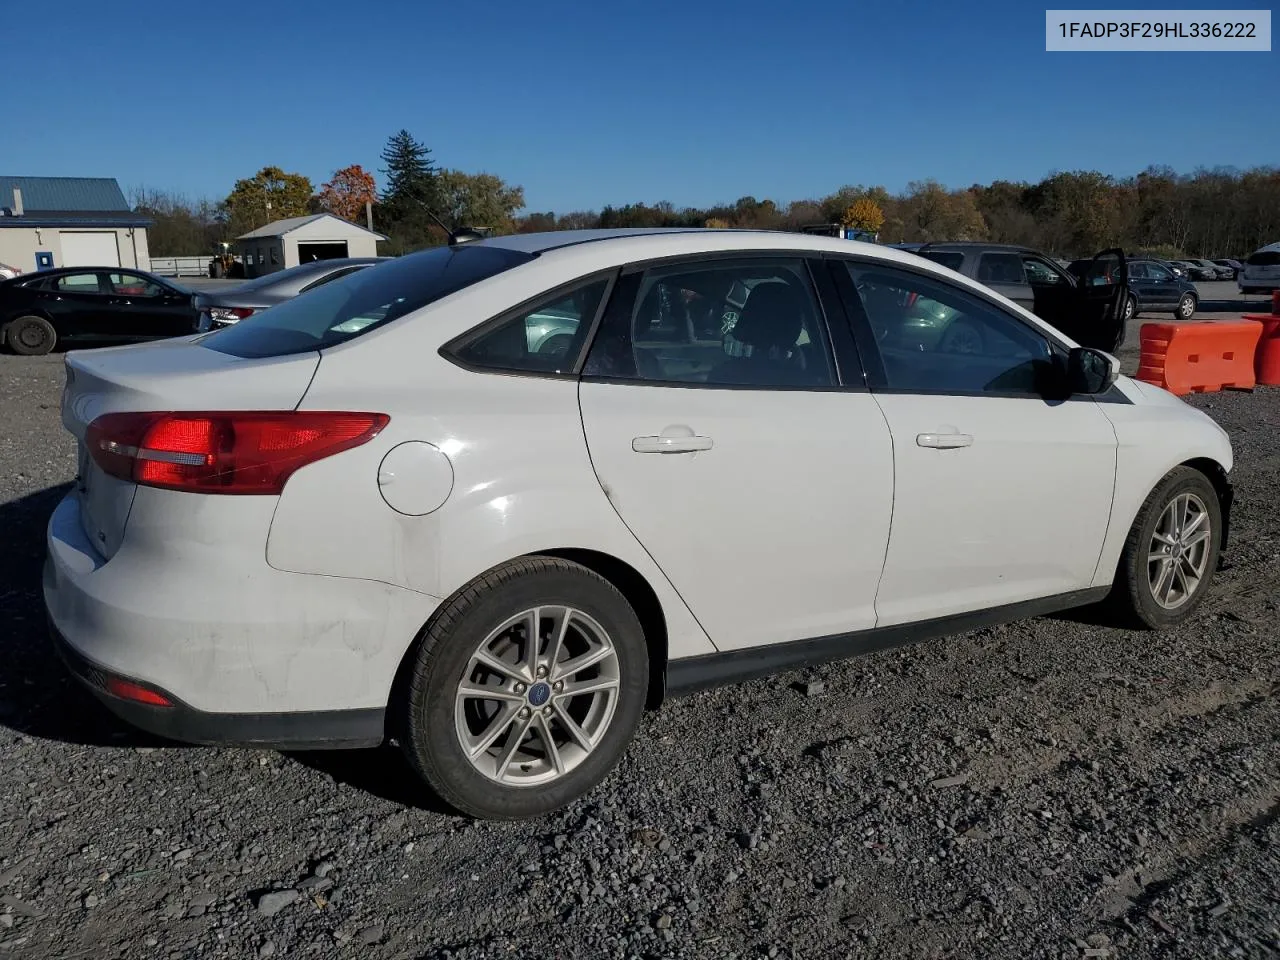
(586, 104)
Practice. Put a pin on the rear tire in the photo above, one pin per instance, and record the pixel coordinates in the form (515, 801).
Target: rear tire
(1163, 573)
(1130, 308)
(534, 745)
(30, 336)
(1186, 307)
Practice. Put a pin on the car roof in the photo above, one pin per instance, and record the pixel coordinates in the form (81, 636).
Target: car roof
(621, 246)
(971, 245)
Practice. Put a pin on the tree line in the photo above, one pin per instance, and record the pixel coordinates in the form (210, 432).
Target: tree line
(1208, 213)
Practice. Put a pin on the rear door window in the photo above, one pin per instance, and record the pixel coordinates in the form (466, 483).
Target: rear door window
(337, 312)
(715, 322)
(1001, 268)
(947, 258)
(77, 283)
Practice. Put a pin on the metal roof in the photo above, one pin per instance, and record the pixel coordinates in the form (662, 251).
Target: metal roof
(57, 194)
(278, 228)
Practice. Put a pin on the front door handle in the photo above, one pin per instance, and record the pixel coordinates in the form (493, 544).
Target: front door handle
(679, 439)
(944, 441)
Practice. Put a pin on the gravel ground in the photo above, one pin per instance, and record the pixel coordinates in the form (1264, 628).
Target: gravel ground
(1051, 788)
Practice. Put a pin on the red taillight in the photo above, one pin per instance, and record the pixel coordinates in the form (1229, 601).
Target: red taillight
(233, 452)
(241, 312)
(128, 690)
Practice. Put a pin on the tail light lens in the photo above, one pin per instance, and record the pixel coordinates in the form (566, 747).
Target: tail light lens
(230, 314)
(237, 452)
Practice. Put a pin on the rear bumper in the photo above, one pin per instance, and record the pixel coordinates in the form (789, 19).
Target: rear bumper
(319, 730)
(243, 652)
(1272, 283)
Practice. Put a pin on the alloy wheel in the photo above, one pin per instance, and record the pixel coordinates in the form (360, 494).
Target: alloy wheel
(1179, 551)
(537, 696)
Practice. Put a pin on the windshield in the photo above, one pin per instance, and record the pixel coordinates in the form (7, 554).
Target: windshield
(335, 312)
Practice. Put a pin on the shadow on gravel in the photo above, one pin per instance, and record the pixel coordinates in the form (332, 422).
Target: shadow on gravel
(38, 697)
(383, 772)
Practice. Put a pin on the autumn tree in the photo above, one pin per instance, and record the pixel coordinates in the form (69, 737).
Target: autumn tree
(270, 194)
(478, 200)
(716, 223)
(863, 214)
(346, 194)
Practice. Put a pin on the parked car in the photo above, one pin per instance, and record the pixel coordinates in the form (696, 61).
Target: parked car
(1198, 273)
(1177, 267)
(373, 512)
(1232, 266)
(1090, 311)
(220, 308)
(75, 304)
(1261, 273)
(1212, 270)
(8, 273)
(1153, 287)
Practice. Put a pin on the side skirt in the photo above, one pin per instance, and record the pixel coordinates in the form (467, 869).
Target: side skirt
(690, 674)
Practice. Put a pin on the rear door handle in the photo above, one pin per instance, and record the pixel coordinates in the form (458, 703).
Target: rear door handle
(672, 440)
(944, 441)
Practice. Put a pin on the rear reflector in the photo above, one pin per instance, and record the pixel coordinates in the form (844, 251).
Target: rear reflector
(235, 452)
(128, 690)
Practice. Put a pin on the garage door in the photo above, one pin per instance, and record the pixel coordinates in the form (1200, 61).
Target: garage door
(95, 248)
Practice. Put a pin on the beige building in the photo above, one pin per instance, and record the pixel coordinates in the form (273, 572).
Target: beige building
(287, 243)
(69, 222)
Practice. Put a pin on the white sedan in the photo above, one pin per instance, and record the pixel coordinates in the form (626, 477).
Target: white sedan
(383, 511)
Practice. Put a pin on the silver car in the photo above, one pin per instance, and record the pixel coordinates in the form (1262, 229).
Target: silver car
(221, 308)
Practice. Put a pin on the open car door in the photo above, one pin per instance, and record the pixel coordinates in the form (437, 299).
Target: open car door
(1093, 316)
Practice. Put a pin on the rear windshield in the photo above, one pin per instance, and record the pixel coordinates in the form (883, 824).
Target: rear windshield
(951, 261)
(335, 312)
(1265, 258)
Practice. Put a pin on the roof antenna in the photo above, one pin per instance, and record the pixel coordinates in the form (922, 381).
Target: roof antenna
(457, 235)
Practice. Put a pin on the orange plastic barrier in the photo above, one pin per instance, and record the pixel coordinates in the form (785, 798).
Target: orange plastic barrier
(1266, 362)
(1199, 357)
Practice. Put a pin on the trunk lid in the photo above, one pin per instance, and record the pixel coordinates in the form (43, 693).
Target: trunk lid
(163, 376)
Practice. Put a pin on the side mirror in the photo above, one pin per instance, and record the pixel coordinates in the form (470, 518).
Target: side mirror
(1091, 371)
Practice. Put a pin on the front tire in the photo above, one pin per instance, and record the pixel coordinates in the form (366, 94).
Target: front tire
(1130, 308)
(30, 336)
(1171, 552)
(525, 689)
(1186, 307)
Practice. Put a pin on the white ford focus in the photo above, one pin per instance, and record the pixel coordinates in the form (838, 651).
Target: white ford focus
(492, 499)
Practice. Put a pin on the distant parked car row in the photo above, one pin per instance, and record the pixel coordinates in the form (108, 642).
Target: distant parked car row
(74, 305)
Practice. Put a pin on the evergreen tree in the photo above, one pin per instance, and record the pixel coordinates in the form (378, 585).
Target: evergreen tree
(412, 190)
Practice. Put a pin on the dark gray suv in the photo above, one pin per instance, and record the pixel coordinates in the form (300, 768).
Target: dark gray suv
(1088, 304)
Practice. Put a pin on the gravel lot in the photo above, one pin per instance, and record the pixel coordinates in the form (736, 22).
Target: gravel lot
(1053, 788)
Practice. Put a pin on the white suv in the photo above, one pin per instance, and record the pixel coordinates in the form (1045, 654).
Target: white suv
(383, 510)
(1261, 272)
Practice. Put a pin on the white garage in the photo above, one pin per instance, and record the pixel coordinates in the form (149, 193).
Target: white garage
(69, 222)
(282, 244)
(90, 248)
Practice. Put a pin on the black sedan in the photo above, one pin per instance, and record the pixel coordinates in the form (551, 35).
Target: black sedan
(106, 304)
(220, 308)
